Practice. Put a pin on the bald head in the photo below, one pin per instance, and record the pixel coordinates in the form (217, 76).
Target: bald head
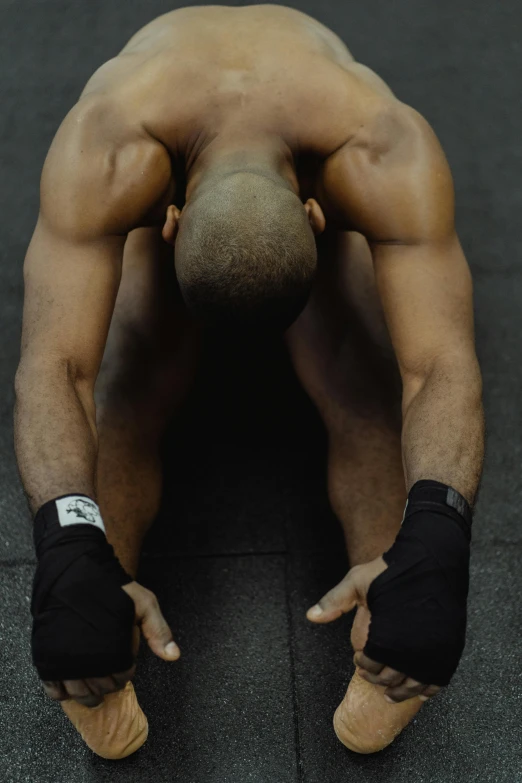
(245, 252)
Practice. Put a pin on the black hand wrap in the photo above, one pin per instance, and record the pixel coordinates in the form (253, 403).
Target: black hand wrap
(83, 620)
(418, 605)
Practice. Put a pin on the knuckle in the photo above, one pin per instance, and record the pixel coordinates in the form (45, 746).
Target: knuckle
(151, 599)
(124, 677)
(162, 626)
(157, 633)
(77, 689)
(90, 701)
(389, 679)
(75, 694)
(147, 600)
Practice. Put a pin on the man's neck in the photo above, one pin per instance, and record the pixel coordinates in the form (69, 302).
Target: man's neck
(271, 161)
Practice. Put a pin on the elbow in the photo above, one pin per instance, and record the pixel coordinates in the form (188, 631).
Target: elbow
(34, 370)
(53, 382)
(457, 374)
(39, 376)
(26, 378)
(35, 366)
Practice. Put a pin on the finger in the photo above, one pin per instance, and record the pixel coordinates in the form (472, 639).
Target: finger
(121, 678)
(341, 599)
(78, 690)
(429, 692)
(118, 686)
(387, 676)
(155, 628)
(102, 685)
(406, 690)
(371, 666)
(55, 690)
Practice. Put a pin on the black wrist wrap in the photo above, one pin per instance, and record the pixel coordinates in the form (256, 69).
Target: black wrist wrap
(418, 605)
(83, 620)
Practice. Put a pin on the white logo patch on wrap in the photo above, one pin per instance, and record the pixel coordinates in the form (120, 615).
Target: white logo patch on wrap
(77, 510)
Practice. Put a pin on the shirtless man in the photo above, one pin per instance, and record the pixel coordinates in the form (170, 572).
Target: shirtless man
(300, 194)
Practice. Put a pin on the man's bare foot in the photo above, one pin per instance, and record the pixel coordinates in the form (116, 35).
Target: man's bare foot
(117, 727)
(364, 721)
(114, 729)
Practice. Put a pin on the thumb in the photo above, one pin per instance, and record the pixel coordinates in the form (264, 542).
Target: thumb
(340, 599)
(154, 626)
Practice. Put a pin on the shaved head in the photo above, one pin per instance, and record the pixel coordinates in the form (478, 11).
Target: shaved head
(246, 252)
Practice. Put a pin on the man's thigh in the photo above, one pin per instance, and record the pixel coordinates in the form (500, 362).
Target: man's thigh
(340, 345)
(153, 344)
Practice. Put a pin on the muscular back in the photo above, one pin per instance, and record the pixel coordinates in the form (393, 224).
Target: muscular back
(205, 80)
(200, 76)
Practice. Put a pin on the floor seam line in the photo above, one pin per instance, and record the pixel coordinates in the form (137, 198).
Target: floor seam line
(291, 644)
(20, 561)
(206, 555)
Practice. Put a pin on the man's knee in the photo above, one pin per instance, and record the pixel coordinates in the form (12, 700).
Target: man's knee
(142, 377)
(340, 346)
(354, 379)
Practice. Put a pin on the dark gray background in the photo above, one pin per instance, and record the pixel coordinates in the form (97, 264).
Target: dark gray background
(245, 541)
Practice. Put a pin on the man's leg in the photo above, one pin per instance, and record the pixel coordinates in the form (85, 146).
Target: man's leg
(342, 354)
(148, 367)
(147, 370)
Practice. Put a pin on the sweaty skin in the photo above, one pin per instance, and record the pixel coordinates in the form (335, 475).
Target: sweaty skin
(261, 88)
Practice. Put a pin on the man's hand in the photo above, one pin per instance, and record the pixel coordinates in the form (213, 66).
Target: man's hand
(351, 592)
(90, 692)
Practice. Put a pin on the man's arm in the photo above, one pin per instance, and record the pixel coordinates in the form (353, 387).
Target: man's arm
(94, 190)
(398, 192)
(400, 196)
(70, 289)
(427, 297)
(92, 194)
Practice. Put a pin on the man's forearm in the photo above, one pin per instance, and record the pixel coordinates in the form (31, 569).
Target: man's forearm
(443, 427)
(55, 432)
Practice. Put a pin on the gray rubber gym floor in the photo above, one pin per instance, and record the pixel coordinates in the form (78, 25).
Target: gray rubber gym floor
(245, 540)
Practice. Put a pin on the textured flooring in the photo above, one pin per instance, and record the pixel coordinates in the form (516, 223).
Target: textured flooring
(245, 540)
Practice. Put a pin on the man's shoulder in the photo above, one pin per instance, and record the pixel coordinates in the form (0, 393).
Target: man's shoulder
(390, 139)
(101, 170)
(386, 174)
(390, 129)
